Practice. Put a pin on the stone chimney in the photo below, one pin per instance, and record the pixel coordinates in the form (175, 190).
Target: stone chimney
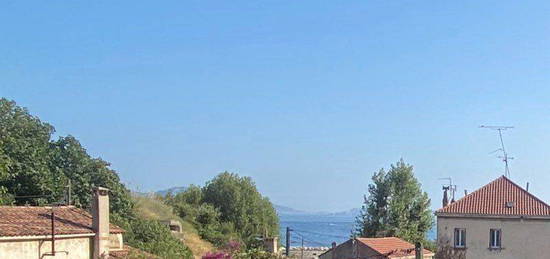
(100, 222)
(445, 197)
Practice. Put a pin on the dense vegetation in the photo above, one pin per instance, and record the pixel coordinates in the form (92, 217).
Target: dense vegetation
(34, 169)
(152, 207)
(228, 207)
(396, 206)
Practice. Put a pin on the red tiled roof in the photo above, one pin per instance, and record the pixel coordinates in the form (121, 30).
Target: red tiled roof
(131, 252)
(36, 221)
(492, 199)
(391, 246)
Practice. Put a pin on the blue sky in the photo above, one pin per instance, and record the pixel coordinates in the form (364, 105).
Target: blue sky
(307, 97)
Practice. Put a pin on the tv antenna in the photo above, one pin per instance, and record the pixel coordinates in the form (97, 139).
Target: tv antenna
(450, 187)
(504, 156)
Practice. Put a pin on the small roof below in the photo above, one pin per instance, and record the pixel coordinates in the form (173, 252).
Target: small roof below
(36, 221)
(391, 247)
(501, 197)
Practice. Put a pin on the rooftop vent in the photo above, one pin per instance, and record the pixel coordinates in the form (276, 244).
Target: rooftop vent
(509, 204)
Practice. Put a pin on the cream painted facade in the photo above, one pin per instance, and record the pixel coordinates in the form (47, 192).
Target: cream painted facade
(522, 238)
(66, 246)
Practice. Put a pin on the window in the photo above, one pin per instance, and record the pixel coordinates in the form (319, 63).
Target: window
(460, 237)
(495, 238)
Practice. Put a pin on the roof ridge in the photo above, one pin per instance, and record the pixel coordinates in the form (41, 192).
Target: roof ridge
(527, 192)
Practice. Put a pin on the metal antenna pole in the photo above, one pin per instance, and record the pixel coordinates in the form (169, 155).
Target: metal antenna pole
(302, 247)
(287, 251)
(69, 193)
(504, 156)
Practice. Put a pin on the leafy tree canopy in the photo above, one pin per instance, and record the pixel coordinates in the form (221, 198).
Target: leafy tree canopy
(34, 169)
(396, 206)
(229, 206)
(32, 164)
(240, 203)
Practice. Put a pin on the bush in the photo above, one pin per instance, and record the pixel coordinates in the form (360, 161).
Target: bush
(250, 254)
(218, 255)
(155, 238)
(256, 254)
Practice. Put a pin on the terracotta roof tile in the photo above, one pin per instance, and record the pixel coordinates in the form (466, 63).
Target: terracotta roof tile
(130, 252)
(493, 198)
(36, 221)
(391, 246)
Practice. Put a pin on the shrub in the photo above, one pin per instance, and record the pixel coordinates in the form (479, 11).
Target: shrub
(218, 255)
(155, 238)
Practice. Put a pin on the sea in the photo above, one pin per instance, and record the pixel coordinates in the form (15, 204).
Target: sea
(320, 231)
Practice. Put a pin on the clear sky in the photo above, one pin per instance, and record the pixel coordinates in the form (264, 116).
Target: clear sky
(307, 97)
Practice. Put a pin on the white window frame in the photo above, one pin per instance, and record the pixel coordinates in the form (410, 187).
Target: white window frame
(461, 237)
(495, 238)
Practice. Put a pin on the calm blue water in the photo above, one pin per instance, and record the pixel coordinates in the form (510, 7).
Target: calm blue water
(320, 231)
(316, 234)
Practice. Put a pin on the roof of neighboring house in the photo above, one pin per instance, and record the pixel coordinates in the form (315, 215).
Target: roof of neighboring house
(131, 252)
(501, 197)
(391, 247)
(36, 221)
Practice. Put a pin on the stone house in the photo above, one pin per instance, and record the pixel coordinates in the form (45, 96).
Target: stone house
(32, 233)
(499, 220)
(374, 248)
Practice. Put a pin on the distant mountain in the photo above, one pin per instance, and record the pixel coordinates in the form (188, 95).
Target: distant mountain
(290, 214)
(351, 213)
(283, 210)
(173, 190)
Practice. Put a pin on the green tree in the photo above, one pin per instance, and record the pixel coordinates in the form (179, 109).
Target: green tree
(240, 204)
(24, 153)
(395, 206)
(31, 164)
(70, 161)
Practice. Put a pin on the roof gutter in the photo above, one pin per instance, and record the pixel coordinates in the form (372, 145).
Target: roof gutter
(484, 216)
(58, 236)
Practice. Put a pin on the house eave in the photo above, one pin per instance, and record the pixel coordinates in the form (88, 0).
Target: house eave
(490, 216)
(40, 237)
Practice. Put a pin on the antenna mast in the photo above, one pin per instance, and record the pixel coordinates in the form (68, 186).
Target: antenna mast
(450, 187)
(504, 156)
